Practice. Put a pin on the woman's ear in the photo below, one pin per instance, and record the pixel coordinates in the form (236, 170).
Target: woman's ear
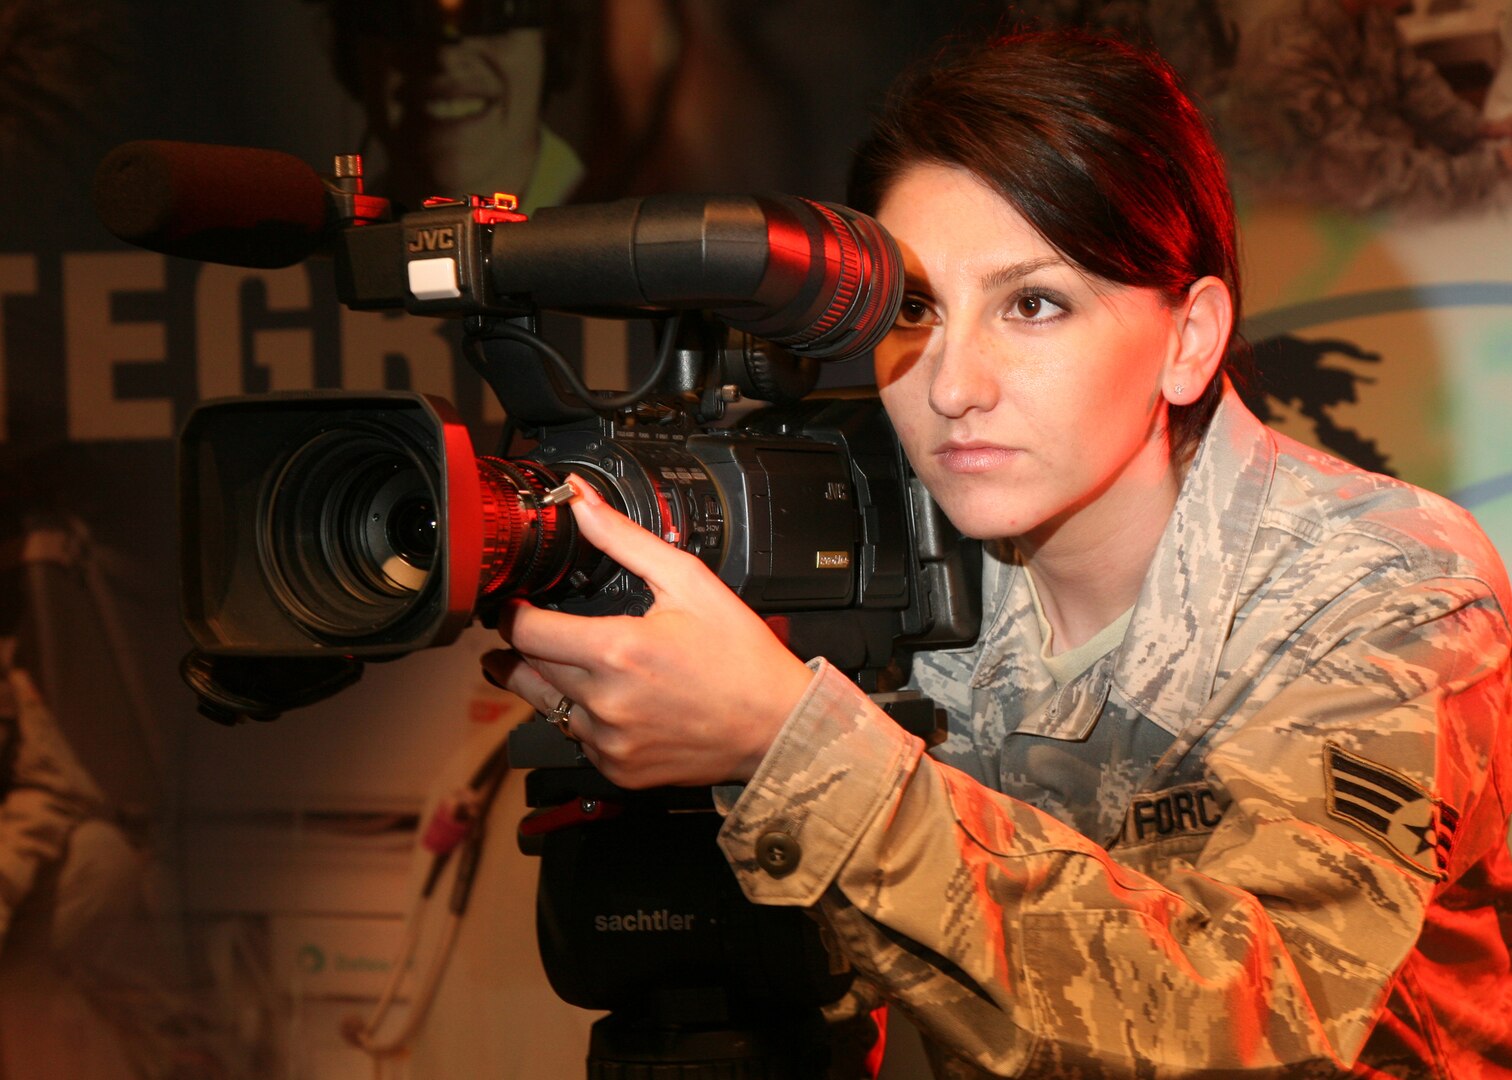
(1204, 320)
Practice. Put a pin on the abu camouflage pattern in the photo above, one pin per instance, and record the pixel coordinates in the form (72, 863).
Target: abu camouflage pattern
(1158, 869)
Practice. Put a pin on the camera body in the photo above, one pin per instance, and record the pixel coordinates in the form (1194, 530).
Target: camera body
(365, 525)
(301, 542)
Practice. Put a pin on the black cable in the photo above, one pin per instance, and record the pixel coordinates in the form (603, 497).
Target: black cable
(605, 406)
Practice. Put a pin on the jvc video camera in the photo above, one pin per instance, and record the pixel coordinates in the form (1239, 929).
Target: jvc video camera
(323, 528)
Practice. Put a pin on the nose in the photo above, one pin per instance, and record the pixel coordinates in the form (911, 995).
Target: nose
(965, 374)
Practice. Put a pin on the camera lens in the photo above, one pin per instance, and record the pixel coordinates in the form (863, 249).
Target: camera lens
(412, 530)
(388, 551)
(349, 530)
(528, 546)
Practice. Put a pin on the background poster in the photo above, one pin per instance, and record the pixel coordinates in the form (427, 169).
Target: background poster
(265, 872)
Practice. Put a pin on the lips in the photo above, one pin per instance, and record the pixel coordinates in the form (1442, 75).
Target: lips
(973, 457)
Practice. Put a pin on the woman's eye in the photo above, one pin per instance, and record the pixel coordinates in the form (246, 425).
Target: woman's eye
(1034, 307)
(915, 312)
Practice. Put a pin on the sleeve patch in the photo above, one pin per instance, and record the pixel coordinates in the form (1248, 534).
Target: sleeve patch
(1415, 827)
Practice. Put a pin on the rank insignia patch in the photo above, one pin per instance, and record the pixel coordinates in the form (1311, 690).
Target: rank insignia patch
(1414, 826)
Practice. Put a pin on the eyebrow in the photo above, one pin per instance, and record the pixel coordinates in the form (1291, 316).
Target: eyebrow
(993, 279)
(1004, 275)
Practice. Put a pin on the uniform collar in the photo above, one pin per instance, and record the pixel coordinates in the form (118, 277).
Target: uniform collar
(1168, 660)
(1168, 663)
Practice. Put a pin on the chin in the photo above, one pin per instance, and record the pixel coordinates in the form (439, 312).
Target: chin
(980, 511)
(984, 522)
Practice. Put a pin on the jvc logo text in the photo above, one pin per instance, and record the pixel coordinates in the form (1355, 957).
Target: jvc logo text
(440, 239)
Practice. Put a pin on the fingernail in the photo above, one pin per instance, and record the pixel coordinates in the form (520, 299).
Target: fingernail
(488, 676)
(586, 492)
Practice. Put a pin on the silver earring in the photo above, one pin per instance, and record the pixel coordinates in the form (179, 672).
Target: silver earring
(1178, 390)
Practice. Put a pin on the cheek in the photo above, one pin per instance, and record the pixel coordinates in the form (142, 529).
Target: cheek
(905, 407)
(522, 63)
(896, 357)
(380, 86)
(892, 403)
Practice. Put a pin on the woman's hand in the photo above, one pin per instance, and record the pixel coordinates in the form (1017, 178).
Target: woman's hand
(693, 692)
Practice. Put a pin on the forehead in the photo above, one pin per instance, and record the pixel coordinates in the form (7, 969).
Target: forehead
(960, 238)
(944, 215)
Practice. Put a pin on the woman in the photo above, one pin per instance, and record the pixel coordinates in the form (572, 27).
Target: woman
(1222, 790)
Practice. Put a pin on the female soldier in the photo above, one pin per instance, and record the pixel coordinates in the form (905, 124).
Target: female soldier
(1223, 790)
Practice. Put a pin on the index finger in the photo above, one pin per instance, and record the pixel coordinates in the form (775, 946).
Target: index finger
(638, 550)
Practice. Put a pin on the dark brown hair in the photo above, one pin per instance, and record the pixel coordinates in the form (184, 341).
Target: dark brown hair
(1096, 144)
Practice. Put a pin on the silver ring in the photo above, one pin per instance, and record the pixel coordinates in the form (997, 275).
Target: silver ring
(561, 718)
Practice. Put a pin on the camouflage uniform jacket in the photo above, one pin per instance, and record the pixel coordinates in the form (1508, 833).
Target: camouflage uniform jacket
(1266, 835)
(1340, 104)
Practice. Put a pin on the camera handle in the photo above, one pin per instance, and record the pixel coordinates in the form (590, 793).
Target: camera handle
(536, 384)
(699, 362)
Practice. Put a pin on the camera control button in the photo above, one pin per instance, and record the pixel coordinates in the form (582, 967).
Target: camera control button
(434, 279)
(778, 853)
